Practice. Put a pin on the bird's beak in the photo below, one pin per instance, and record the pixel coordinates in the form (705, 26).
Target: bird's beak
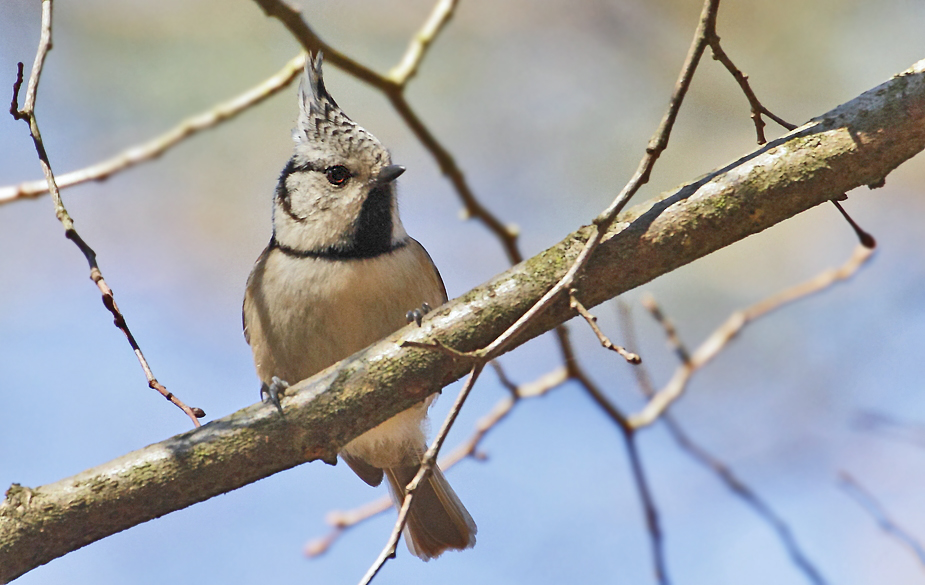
(389, 174)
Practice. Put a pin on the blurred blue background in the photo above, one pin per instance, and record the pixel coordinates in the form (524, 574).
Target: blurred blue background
(547, 107)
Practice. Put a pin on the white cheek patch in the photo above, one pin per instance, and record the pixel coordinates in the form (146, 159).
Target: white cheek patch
(319, 216)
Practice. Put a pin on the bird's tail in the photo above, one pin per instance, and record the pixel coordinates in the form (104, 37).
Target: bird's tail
(437, 520)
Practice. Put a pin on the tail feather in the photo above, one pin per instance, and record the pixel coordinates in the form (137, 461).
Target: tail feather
(437, 520)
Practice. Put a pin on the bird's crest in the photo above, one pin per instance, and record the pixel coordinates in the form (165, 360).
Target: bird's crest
(324, 128)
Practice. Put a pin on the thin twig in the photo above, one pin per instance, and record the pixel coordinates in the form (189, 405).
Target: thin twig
(722, 471)
(341, 521)
(291, 17)
(579, 375)
(473, 208)
(575, 372)
(674, 340)
(539, 387)
(648, 505)
(606, 343)
(158, 145)
(758, 109)
(502, 377)
(750, 497)
(657, 144)
(650, 511)
(756, 106)
(427, 465)
(402, 73)
(439, 347)
(17, 86)
(873, 507)
(27, 113)
(890, 427)
(712, 346)
(865, 238)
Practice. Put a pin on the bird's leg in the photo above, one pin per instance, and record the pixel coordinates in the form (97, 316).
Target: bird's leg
(272, 392)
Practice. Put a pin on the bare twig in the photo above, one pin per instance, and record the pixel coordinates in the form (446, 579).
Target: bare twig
(657, 144)
(17, 86)
(628, 433)
(502, 377)
(650, 511)
(473, 208)
(539, 387)
(341, 521)
(648, 301)
(605, 341)
(402, 73)
(427, 465)
(863, 497)
(291, 17)
(438, 346)
(158, 145)
(888, 426)
(27, 113)
(575, 372)
(865, 238)
(733, 325)
(758, 109)
(722, 471)
(601, 223)
(750, 497)
(648, 505)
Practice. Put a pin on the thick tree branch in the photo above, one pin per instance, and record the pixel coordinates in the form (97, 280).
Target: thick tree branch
(856, 144)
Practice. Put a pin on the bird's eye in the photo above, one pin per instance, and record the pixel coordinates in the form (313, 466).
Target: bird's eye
(337, 175)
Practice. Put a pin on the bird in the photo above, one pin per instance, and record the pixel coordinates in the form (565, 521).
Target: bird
(338, 274)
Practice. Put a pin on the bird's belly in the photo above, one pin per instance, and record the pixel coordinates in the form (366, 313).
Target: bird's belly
(314, 313)
(322, 311)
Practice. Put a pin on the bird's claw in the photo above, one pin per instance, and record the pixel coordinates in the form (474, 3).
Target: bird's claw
(416, 315)
(272, 391)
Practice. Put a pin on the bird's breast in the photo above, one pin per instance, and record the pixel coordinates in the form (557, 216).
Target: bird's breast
(304, 314)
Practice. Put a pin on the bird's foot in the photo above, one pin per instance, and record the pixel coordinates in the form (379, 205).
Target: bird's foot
(416, 315)
(271, 392)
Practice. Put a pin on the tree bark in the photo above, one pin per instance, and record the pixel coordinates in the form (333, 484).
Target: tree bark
(856, 144)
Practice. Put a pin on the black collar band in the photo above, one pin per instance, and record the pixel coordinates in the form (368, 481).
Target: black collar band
(334, 252)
